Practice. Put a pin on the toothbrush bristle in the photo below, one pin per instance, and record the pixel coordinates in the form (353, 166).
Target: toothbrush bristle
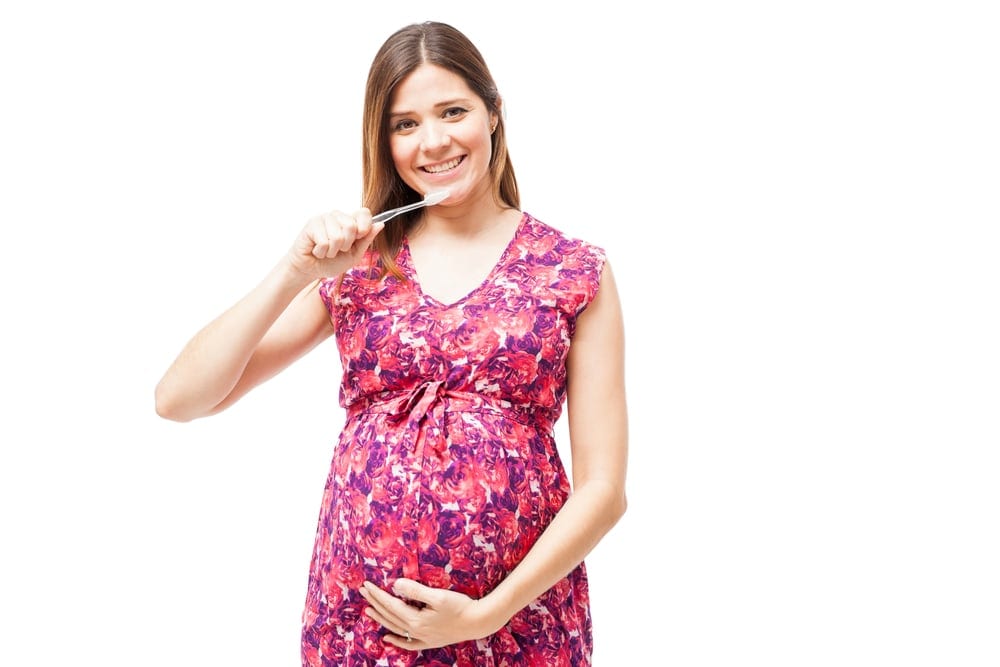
(436, 197)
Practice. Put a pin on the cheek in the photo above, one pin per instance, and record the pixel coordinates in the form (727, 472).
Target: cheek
(397, 149)
(480, 142)
(487, 149)
(404, 151)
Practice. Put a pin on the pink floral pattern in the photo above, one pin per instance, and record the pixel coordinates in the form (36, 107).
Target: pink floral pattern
(447, 470)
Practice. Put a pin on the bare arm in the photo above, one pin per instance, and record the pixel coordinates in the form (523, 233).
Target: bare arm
(598, 427)
(276, 323)
(253, 340)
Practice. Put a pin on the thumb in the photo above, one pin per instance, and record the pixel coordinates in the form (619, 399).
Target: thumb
(365, 242)
(373, 232)
(411, 590)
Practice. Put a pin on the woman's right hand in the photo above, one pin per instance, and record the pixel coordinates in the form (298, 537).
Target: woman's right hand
(332, 243)
(269, 328)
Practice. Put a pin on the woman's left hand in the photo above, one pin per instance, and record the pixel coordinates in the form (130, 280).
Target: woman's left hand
(445, 617)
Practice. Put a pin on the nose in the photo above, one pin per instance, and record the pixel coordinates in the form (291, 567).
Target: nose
(434, 136)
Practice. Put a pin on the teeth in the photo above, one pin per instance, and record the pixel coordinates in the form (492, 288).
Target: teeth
(443, 167)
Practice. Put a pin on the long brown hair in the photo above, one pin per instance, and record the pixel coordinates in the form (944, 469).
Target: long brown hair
(437, 44)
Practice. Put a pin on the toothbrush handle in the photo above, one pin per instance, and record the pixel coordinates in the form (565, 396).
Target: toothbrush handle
(393, 212)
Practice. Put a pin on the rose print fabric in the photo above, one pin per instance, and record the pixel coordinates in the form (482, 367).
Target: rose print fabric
(446, 470)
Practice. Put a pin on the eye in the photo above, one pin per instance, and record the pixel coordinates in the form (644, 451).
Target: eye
(455, 112)
(403, 125)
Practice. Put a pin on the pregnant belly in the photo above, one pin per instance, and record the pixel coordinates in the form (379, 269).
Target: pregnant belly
(454, 508)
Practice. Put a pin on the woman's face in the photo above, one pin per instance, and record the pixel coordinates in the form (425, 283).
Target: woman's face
(439, 134)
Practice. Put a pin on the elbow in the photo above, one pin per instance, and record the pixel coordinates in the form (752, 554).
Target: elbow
(613, 504)
(620, 506)
(167, 411)
(176, 404)
(168, 407)
(609, 501)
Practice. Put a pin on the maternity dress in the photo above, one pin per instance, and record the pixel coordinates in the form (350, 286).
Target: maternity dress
(447, 471)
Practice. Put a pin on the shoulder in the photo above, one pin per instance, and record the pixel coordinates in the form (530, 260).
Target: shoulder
(569, 252)
(568, 266)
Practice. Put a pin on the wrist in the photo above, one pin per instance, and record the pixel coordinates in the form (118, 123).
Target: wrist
(287, 274)
(493, 614)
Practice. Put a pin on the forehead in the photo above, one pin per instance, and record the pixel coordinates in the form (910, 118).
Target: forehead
(427, 86)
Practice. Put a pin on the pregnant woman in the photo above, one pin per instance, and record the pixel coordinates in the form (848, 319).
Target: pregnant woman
(449, 532)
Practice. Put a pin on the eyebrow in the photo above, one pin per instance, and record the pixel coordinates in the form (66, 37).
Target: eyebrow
(439, 105)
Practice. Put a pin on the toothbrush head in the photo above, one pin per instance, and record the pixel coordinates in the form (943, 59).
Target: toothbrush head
(436, 197)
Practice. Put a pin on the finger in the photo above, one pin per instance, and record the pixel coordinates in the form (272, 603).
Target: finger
(412, 590)
(411, 644)
(363, 219)
(318, 239)
(327, 235)
(389, 606)
(347, 229)
(387, 623)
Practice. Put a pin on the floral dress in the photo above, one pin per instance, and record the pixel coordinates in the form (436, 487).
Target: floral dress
(446, 471)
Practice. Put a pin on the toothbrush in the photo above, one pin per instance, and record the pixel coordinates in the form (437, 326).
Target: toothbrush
(431, 198)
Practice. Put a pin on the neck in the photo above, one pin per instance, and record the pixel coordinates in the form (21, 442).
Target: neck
(468, 220)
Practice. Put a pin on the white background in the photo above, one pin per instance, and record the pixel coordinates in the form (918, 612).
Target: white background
(799, 200)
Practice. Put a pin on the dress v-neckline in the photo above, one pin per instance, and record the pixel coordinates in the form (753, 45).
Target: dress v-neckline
(411, 269)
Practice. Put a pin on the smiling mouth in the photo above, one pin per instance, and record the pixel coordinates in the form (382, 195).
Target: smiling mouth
(443, 166)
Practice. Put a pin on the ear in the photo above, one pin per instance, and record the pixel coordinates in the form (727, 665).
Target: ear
(495, 115)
